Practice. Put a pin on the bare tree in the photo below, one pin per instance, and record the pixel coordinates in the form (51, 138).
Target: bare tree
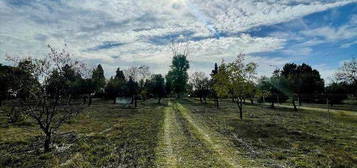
(137, 73)
(200, 85)
(47, 100)
(179, 47)
(348, 72)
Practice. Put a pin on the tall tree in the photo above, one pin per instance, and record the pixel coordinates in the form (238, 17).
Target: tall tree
(98, 79)
(177, 77)
(212, 83)
(132, 89)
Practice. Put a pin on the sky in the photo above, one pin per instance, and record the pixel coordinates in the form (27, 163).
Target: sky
(123, 33)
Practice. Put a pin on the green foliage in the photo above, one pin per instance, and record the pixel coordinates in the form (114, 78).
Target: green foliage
(235, 80)
(337, 92)
(303, 81)
(98, 78)
(177, 77)
(156, 86)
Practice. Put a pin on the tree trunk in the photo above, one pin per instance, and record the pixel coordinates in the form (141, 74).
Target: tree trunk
(89, 100)
(217, 102)
(272, 104)
(240, 107)
(278, 99)
(159, 100)
(47, 143)
(295, 109)
(205, 100)
(251, 101)
(0, 102)
(114, 100)
(136, 102)
(84, 100)
(201, 100)
(299, 100)
(69, 100)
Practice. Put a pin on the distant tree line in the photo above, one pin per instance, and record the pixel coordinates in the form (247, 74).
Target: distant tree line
(53, 89)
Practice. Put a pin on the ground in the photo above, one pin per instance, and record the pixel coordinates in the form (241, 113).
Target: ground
(185, 133)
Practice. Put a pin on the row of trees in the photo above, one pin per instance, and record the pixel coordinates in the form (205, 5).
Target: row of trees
(48, 89)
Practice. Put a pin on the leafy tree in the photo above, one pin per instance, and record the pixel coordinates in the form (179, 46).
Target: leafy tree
(113, 89)
(177, 77)
(132, 89)
(119, 75)
(6, 82)
(212, 83)
(157, 86)
(271, 91)
(304, 81)
(336, 93)
(98, 79)
(233, 79)
(200, 85)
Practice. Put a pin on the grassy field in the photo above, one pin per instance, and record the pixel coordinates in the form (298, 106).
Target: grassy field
(185, 133)
(284, 138)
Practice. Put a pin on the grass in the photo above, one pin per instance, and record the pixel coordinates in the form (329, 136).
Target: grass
(185, 133)
(284, 138)
(104, 135)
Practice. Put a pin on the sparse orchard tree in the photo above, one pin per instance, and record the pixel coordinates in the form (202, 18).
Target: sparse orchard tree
(233, 79)
(200, 84)
(48, 107)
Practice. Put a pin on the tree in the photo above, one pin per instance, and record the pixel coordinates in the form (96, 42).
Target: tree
(177, 77)
(348, 74)
(212, 83)
(132, 88)
(304, 82)
(112, 89)
(6, 82)
(336, 92)
(48, 108)
(270, 90)
(119, 75)
(157, 86)
(200, 85)
(233, 79)
(98, 79)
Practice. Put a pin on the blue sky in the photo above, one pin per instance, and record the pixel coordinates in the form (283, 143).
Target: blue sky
(322, 33)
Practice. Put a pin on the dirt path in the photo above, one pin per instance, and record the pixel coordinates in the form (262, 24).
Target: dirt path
(186, 142)
(345, 112)
(216, 142)
(166, 153)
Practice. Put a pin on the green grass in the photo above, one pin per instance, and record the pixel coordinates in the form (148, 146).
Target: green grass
(104, 135)
(185, 133)
(282, 137)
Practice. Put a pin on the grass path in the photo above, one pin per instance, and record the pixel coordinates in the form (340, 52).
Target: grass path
(215, 141)
(186, 142)
(165, 151)
(345, 112)
(182, 146)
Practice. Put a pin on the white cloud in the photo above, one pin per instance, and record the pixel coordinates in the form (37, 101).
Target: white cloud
(28, 27)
